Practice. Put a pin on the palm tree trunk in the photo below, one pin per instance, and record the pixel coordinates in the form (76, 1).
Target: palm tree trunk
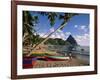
(46, 38)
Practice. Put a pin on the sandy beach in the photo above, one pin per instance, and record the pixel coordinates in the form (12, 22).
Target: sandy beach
(66, 63)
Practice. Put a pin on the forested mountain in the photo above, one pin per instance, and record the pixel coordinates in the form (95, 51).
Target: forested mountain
(59, 41)
(56, 41)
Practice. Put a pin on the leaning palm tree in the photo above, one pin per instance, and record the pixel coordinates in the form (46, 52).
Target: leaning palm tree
(29, 22)
(51, 16)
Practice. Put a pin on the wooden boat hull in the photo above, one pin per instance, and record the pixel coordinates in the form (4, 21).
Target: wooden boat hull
(56, 58)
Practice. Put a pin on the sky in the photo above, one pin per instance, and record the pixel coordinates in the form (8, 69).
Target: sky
(77, 26)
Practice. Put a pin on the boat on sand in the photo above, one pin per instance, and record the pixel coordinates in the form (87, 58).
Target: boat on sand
(57, 58)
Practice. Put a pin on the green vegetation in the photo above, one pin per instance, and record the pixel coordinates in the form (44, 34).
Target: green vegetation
(31, 37)
(56, 41)
(29, 22)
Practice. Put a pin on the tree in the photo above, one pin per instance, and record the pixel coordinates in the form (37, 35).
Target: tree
(29, 23)
(52, 17)
(66, 17)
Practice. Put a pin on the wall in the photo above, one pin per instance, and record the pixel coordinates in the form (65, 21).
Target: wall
(5, 50)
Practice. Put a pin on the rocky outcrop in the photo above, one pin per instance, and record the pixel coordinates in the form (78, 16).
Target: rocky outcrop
(71, 40)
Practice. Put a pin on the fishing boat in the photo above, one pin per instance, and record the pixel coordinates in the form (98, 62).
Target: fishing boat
(57, 58)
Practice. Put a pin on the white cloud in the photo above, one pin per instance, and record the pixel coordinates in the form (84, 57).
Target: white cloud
(76, 26)
(58, 34)
(52, 29)
(61, 34)
(68, 33)
(83, 28)
(41, 34)
(52, 36)
(82, 39)
(55, 35)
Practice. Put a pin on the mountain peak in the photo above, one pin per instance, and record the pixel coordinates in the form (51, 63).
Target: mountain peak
(71, 40)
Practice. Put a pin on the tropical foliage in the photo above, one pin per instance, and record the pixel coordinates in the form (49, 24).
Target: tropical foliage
(29, 22)
(30, 36)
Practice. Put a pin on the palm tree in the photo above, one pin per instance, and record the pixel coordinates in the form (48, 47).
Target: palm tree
(29, 22)
(52, 17)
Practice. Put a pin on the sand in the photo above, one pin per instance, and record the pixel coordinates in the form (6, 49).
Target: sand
(67, 63)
